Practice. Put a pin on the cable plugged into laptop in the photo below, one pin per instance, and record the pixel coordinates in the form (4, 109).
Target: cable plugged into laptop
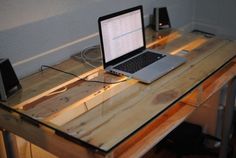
(85, 78)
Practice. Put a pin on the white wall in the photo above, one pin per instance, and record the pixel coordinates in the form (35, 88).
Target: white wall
(216, 16)
(34, 32)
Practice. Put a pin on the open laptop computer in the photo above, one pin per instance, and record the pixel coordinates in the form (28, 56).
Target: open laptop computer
(124, 50)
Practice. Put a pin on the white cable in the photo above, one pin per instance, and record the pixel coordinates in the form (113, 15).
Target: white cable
(87, 50)
(84, 56)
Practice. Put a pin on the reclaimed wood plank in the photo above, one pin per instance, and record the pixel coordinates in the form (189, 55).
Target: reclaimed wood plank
(54, 112)
(147, 137)
(161, 40)
(211, 86)
(146, 102)
(47, 92)
(43, 137)
(2, 147)
(41, 82)
(59, 113)
(69, 104)
(151, 35)
(70, 112)
(186, 40)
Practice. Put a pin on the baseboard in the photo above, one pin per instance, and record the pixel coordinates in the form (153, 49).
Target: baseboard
(206, 27)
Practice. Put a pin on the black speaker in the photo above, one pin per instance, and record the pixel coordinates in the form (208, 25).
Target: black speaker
(161, 18)
(9, 82)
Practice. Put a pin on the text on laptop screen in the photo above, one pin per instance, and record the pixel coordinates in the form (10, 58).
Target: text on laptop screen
(122, 34)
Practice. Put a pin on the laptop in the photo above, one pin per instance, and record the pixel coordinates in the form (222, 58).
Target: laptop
(124, 50)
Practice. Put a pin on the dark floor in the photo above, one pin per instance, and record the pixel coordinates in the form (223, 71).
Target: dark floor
(165, 150)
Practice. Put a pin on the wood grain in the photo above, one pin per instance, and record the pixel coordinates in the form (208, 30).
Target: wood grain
(99, 126)
(56, 109)
(41, 82)
(211, 86)
(43, 137)
(81, 106)
(146, 138)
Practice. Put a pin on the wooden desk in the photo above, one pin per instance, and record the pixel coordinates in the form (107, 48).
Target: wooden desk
(73, 118)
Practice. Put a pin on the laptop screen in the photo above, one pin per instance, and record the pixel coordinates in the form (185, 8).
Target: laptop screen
(121, 33)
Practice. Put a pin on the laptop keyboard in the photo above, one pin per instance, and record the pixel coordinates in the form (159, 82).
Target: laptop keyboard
(135, 64)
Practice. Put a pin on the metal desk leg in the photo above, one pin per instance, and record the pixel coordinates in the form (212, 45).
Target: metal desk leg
(10, 145)
(228, 118)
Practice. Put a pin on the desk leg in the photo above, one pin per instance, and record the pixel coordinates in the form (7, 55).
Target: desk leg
(10, 144)
(228, 118)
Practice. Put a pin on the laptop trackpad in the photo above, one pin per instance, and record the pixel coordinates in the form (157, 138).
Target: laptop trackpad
(157, 69)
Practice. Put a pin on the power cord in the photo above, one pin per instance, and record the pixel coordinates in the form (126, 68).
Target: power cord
(83, 79)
